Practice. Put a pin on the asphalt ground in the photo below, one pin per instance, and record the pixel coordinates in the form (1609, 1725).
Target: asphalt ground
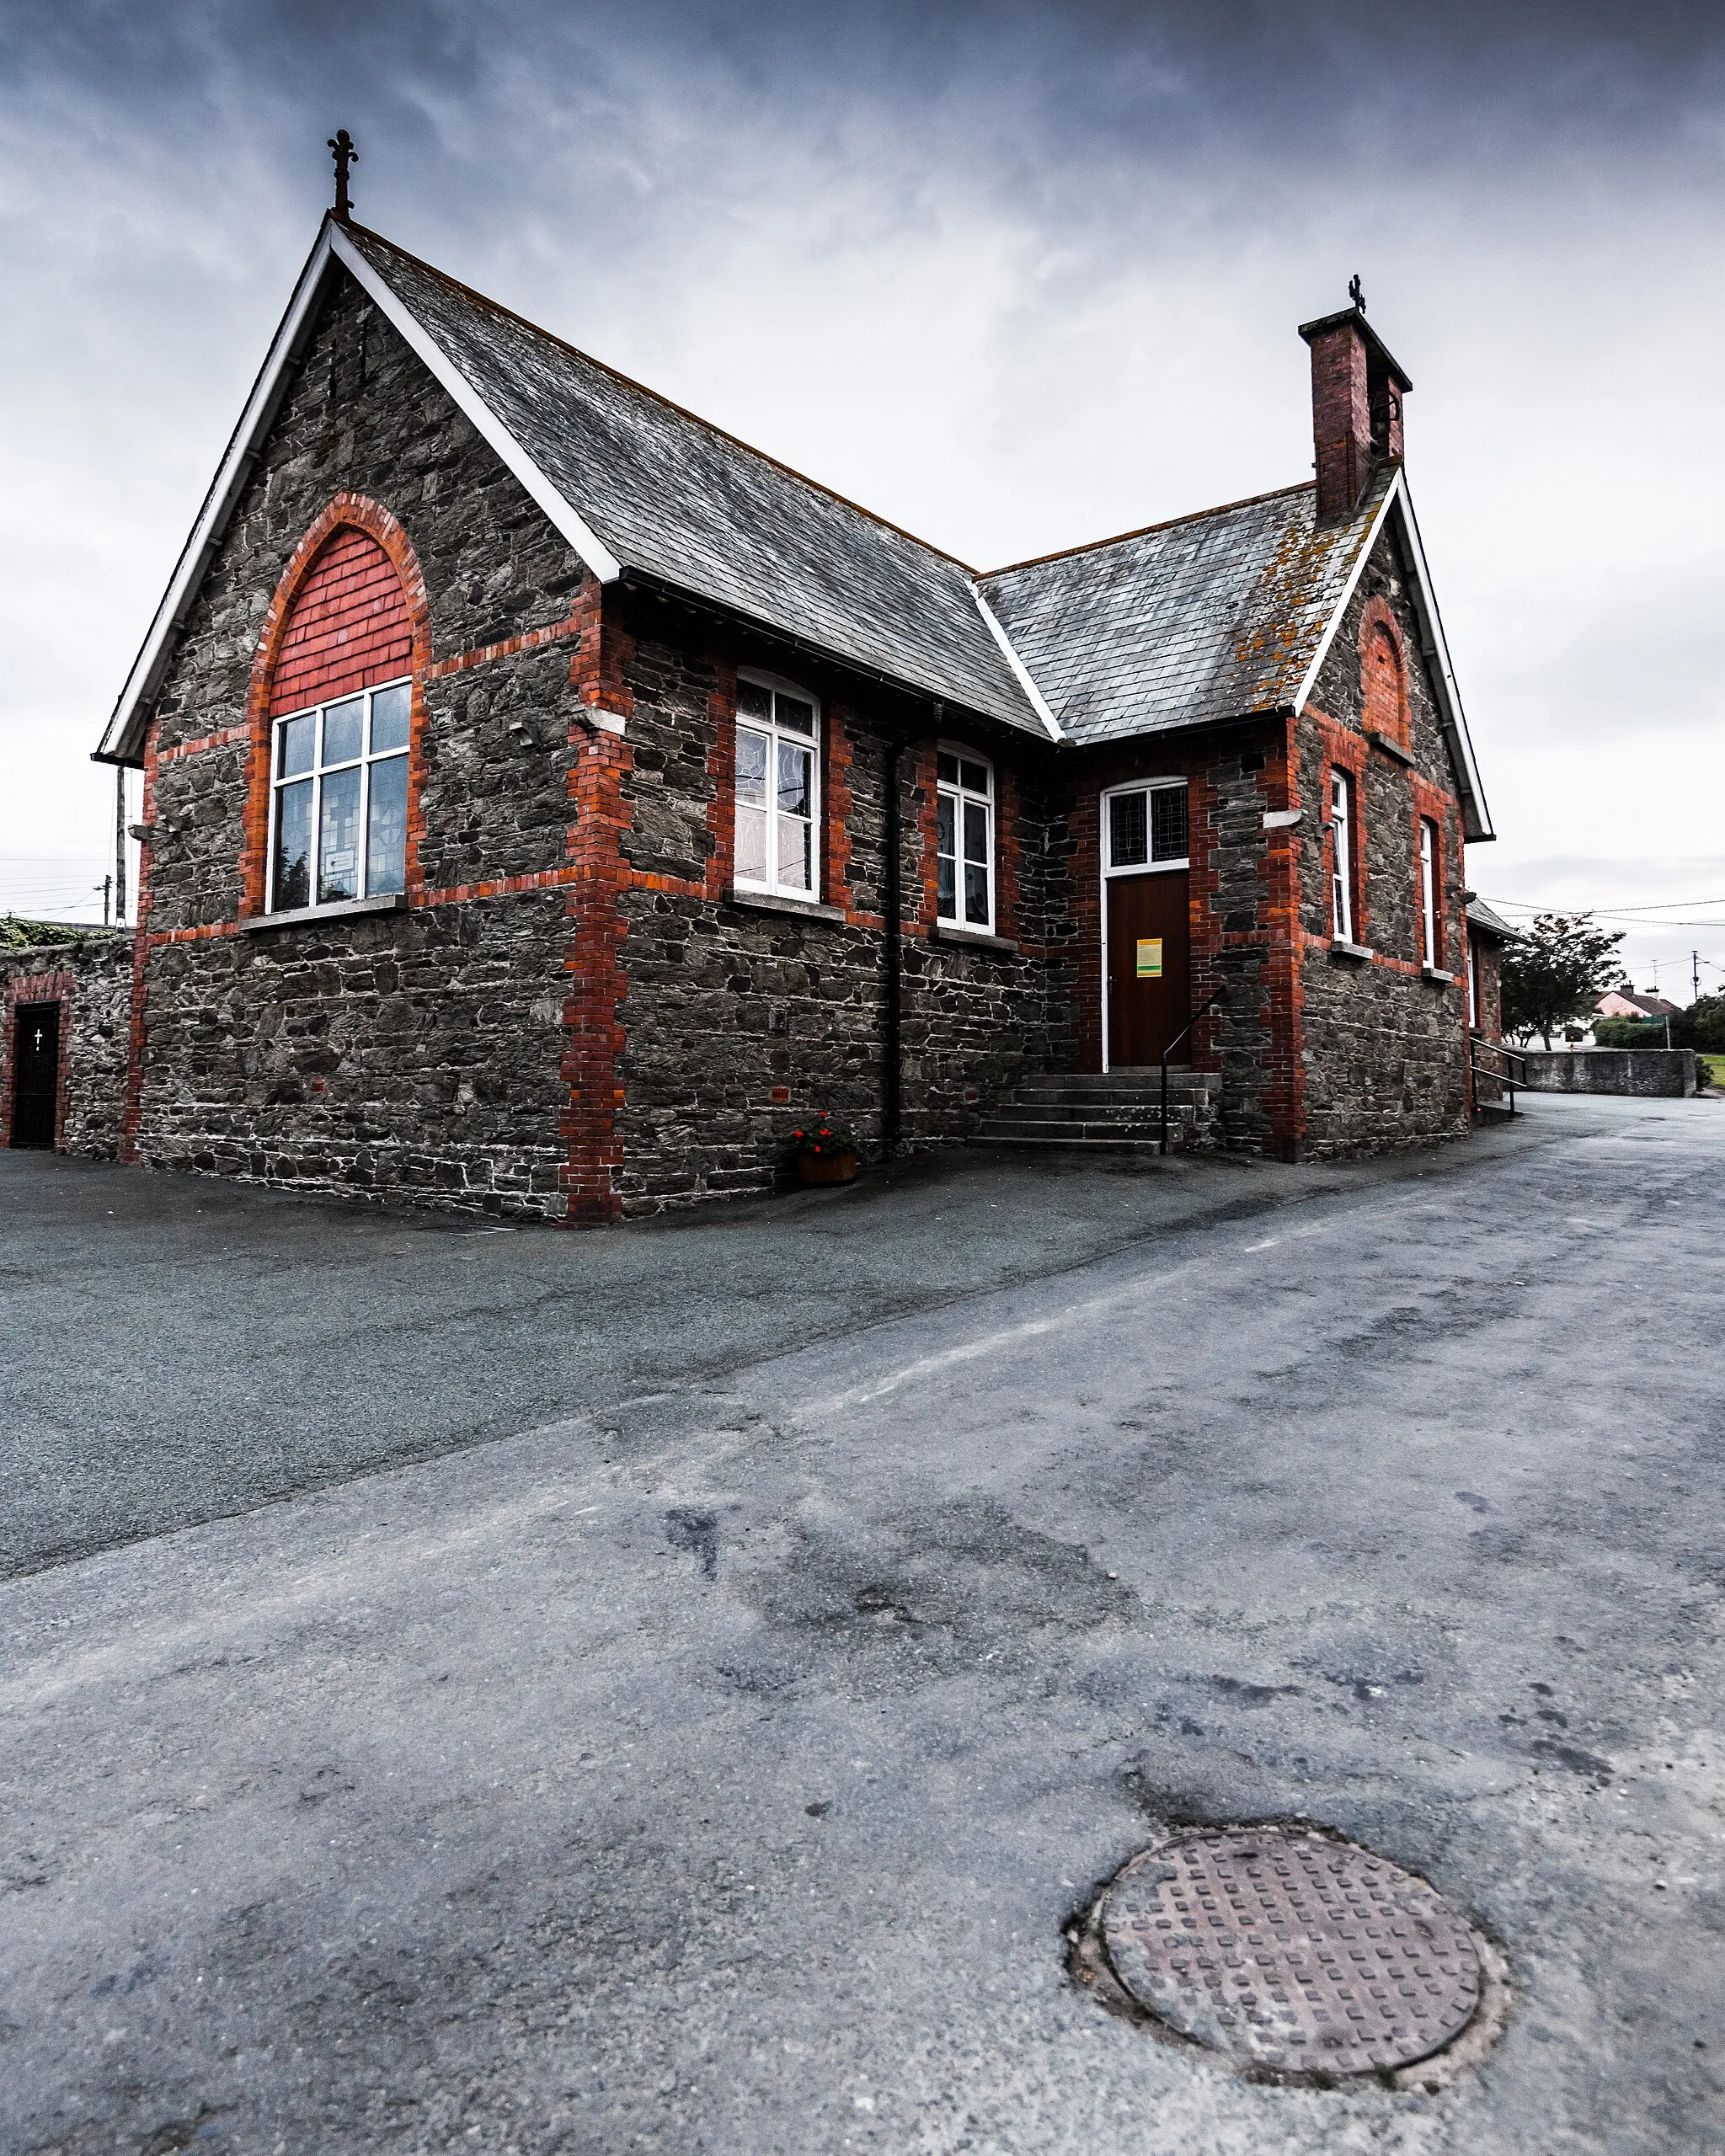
(717, 1764)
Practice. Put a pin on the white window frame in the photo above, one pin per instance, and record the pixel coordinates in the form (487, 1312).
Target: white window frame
(1430, 954)
(961, 796)
(1105, 847)
(1146, 867)
(366, 759)
(1341, 854)
(772, 885)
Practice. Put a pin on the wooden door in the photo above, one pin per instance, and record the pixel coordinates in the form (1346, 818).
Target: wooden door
(35, 1072)
(1149, 967)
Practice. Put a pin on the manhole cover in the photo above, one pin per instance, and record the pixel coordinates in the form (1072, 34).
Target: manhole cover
(1290, 1951)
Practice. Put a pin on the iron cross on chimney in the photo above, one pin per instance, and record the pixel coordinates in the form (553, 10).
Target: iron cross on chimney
(341, 148)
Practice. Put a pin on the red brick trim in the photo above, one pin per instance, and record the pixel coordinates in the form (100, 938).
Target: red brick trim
(1377, 621)
(58, 987)
(1006, 850)
(1284, 1019)
(925, 776)
(356, 512)
(594, 1032)
(836, 804)
(721, 770)
(500, 886)
(225, 739)
(483, 654)
(200, 934)
(132, 1122)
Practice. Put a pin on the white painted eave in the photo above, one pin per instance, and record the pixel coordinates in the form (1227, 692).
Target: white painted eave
(1039, 703)
(1349, 588)
(122, 740)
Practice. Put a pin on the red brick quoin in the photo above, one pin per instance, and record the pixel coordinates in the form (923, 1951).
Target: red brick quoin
(351, 610)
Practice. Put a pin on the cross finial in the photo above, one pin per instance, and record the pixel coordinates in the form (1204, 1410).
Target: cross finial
(1353, 292)
(341, 148)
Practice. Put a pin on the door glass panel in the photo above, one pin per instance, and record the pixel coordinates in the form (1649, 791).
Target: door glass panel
(343, 730)
(390, 709)
(339, 838)
(1129, 831)
(293, 845)
(387, 841)
(1168, 823)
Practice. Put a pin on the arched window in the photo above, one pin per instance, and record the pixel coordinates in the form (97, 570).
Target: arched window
(341, 709)
(1386, 695)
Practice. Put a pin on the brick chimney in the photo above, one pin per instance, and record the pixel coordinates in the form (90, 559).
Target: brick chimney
(1357, 390)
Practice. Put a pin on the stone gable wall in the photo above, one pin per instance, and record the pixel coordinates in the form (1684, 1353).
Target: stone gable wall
(413, 1053)
(1385, 1062)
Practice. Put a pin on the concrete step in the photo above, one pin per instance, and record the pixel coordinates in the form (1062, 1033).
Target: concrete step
(1069, 1144)
(1047, 1130)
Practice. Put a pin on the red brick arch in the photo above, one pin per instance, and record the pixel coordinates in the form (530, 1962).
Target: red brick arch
(1383, 674)
(350, 610)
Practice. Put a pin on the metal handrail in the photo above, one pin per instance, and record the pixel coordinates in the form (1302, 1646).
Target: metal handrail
(1173, 1045)
(1509, 1077)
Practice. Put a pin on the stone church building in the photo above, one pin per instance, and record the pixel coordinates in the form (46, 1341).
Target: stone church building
(550, 800)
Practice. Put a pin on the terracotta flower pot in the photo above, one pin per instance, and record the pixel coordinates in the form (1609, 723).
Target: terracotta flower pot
(827, 1167)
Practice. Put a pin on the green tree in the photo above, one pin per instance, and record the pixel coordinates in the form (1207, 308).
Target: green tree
(1557, 970)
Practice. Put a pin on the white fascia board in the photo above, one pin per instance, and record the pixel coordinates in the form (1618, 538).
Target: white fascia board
(1455, 721)
(558, 512)
(1039, 703)
(235, 468)
(1349, 588)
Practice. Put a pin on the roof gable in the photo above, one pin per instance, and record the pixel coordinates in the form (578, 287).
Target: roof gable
(640, 489)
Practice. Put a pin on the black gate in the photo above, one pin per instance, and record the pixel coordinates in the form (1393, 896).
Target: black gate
(35, 1072)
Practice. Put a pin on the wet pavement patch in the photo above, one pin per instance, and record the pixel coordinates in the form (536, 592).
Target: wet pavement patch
(1296, 1954)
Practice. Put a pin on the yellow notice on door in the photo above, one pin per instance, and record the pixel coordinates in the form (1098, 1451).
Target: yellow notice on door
(1150, 958)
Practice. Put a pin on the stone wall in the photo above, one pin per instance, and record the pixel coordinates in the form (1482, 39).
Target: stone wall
(414, 1051)
(1383, 1039)
(744, 1017)
(91, 979)
(1651, 1073)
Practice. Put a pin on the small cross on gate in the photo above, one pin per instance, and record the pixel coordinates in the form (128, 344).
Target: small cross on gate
(341, 148)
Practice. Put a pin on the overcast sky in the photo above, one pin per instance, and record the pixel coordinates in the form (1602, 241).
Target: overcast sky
(1015, 276)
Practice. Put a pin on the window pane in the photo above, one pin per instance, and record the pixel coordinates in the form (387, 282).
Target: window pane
(751, 844)
(975, 776)
(945, 769)
(390, 708)
(975, 831)
(293, 845)
(795, 772)
(794, 714)
(796, 853)
(339, 838)
(751, 768)
(946, 888)
(387, 841)
(753, 702)
(299, 745)
(1168, 823)
(975, 896)
(344, 731)
(946, 826)
(1129, 835)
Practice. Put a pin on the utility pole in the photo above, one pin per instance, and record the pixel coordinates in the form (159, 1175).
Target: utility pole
(107, 898)
(1695, 975)
(119, 846)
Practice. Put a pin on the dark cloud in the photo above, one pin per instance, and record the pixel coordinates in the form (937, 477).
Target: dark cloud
(1016, 275)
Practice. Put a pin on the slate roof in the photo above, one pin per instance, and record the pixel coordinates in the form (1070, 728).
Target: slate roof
(691, 506)
(1481, 915)
(1201, 619)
